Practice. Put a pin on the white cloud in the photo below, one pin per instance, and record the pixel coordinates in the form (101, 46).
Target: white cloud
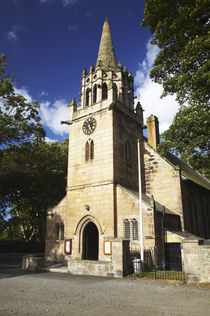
(152, 51)
(44, 94)
(12, 35)
(53, 114)
(72, 27)
(50, 140)
(149, 92)
(23, 91)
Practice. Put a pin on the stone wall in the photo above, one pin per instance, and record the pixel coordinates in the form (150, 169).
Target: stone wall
(90, 267)
(54, 249)
(32, 263)
(196, 260)
(128, 209)
(74, 215)
(99, 169)
(119, 266)
(126, 131)
(162, 181)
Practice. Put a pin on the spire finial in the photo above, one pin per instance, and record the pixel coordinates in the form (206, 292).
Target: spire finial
(106, 53)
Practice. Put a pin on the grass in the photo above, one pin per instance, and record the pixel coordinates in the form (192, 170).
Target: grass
(165, 275)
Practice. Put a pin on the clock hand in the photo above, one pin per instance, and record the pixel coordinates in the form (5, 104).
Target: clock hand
(90, 127)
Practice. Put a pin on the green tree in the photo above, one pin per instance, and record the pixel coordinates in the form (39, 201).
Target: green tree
(32, 172)
(188, 137)
(19, 120)
(33, 178)
(180, 28)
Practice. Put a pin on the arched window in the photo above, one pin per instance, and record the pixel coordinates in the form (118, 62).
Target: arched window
(114, 91)
(127, 229)
(87, 97)
(95, 93)
(57, 231)
(89, 150)
(127, 151)
(104, 91)
(135, 229)
(62, 232)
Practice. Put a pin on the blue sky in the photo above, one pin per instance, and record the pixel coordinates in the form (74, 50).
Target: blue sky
(49, 42)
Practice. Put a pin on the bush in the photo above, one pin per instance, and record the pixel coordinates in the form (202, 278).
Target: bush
(14, 246)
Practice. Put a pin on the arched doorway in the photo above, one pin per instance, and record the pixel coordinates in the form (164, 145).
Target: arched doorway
(90, 242)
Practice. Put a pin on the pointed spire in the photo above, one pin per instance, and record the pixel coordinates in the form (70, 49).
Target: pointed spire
(106, 54)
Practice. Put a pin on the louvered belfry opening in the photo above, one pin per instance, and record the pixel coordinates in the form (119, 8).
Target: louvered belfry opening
(104, 91)
(95, 93)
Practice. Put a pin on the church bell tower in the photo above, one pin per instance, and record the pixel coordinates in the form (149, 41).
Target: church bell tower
(104, 127)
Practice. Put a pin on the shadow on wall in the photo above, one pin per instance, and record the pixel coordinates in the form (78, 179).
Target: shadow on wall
(55, 235)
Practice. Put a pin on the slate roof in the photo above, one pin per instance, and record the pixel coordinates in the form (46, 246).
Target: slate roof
(185, 235)
(187, 171)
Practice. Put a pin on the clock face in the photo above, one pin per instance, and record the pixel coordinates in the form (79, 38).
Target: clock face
(89, 126)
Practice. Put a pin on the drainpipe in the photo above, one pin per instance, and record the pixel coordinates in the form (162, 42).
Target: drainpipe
(140, 204)
(163, 237)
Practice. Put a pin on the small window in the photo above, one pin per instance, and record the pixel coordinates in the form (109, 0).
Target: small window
(127, 229)
(127, 151)
(62, 232)
(114, 91)
(87, 151)
(87, 97)
(95, 93)
(104, 91)
(91, 150)
(57, 231)
(135, 229)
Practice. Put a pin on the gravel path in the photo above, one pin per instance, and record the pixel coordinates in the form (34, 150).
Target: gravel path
(50, 293)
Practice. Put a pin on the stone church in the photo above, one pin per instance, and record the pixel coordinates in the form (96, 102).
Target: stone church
(96, 226)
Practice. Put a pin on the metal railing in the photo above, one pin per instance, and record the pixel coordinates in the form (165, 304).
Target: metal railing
(157, 272)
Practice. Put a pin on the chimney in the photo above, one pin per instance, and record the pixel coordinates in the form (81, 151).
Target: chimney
(153, 131)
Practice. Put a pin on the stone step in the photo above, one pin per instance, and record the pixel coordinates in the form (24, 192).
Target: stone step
(59, 267)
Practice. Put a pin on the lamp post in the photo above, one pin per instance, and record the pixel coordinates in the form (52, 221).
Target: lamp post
(140, 204)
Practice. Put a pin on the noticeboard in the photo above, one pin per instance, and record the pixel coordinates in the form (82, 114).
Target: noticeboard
(68, 246)
(107, 247)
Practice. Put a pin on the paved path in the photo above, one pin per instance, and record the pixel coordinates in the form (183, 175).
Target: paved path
(50, 293)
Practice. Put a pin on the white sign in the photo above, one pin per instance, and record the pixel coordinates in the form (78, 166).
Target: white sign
(107, 247)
